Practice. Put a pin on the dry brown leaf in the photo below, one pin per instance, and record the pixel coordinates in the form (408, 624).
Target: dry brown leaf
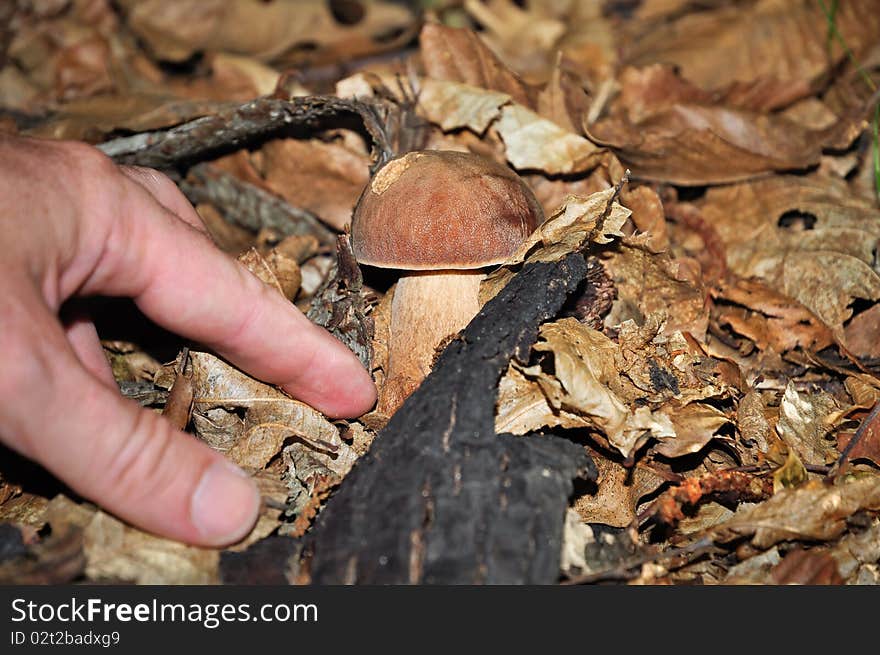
(862, 333)
(648, 215)
(769, 319)
(453, 105)
(812, 512)
(650, 283)
(787, 44)
(533, 142)
(753, 423)
(563, 100)
(268, 417)
(458, 55)
(808, 238)
(579, 393)
(280, 272)
(324, 178)
(803, 424)
(115, 551)
(618, 493)
(812, 567)
(695, 425)
(175, 30)
(691, 144)
(868, 446)
(565, 231)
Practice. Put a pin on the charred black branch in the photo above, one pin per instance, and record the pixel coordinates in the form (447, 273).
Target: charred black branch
(440, 498)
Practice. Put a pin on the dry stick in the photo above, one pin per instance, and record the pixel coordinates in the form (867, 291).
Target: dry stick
(251, 207)
(844, 456)
(624, 569)
(237, 127)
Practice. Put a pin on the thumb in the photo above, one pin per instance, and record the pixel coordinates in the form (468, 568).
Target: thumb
(129, 460)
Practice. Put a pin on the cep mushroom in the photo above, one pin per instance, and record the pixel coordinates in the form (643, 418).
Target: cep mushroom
(442, 217)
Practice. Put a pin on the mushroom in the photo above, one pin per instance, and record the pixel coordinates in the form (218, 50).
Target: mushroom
(442, 217)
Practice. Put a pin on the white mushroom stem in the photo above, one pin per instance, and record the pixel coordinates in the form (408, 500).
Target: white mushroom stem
(427, 307)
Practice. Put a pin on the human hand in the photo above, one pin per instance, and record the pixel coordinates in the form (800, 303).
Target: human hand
(74, 224)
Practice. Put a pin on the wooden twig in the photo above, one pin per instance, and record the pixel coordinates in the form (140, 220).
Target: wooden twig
(857, 437)
(240, 126)
(251, 207)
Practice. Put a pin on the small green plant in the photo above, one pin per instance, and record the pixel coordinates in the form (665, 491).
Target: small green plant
(834, 34)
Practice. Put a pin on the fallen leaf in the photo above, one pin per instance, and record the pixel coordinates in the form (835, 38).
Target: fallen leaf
(453, 105)
(250, 421)
(657, 283)
(617, 495)
(788, 46)
(115, 551)
(803, 425)
(695, 425)
(808, 238)
(323, 178)
(813, 511)
(806, 567)
(691, 144)
(868, 446)
(567, 230)
(536, 143)
(176, 30)
(458, 55)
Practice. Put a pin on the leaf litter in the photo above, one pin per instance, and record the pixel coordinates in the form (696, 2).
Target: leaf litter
(713, 164)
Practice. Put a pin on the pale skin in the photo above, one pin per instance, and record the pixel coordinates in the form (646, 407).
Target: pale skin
(73, 224)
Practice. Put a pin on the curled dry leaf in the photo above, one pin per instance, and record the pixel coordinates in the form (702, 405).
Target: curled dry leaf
(569, 229)
(651, 283)
(619, 490)
(276, 269)
(691, 144)
(628, 391)
(813, 511)
(250, 421)
(453, 105)
(533, 142)
(769, 319)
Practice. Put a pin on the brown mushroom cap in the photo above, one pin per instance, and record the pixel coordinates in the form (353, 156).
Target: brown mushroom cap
(440, 209)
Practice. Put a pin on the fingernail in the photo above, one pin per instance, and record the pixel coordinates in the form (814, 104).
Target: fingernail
(225, 504)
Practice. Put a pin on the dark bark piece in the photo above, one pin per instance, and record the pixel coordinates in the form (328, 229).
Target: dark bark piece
(440, 498)
(243, 125)
(251, 207)
(267, 562)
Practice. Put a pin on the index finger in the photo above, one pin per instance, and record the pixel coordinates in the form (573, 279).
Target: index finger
(180, 280)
